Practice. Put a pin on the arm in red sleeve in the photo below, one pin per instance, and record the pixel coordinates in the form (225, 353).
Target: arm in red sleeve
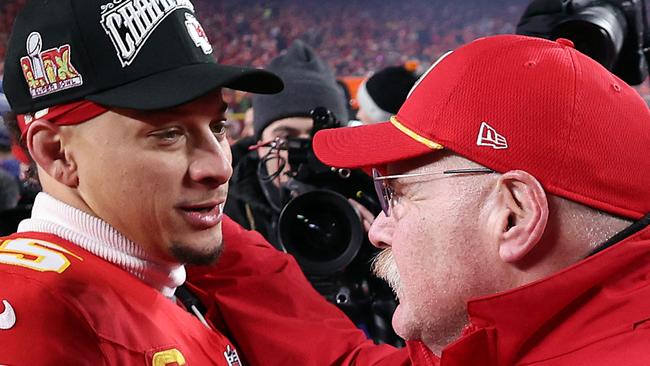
(273, 313)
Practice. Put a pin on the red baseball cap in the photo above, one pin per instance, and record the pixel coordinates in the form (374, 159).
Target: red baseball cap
(514, 102)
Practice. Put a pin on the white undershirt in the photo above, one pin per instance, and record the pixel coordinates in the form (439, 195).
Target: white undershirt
(52, 216)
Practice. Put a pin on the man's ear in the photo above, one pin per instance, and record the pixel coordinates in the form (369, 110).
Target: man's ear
(45, 145)
(518, 216)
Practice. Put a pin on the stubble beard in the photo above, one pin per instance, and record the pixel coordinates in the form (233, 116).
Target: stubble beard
(188, 255)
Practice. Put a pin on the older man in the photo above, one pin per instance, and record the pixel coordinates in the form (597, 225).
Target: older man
(515, 197)
(121, 110)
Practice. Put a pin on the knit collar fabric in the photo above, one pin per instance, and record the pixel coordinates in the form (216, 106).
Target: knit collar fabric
(52, 216)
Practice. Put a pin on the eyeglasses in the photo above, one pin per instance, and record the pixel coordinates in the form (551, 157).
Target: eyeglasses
(386, 193)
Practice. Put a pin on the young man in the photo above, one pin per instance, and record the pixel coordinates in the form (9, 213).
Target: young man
(120, 108)
(254, 202)
(515, 203)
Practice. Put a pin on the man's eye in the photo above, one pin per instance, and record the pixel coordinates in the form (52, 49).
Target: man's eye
(169, 135)
(219, 128)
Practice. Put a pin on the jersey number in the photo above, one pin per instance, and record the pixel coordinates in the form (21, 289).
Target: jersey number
(35, 254)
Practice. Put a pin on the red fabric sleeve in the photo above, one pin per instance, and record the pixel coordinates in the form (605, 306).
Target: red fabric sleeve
(273, 313)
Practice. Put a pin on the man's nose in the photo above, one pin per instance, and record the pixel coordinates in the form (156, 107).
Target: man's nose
(210, 164)
(381, 231)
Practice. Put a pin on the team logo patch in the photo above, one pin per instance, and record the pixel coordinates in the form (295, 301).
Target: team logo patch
(488, 136)
(49, 71)
(231, 357)
(129, 23)
(197, 33)
(168, 357)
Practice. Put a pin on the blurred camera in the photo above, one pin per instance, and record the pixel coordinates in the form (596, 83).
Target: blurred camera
(325, 234)
(612, 32)
(322, 231)
(319, 226)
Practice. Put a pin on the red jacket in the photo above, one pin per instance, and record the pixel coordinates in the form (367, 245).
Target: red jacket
(594, 313)
(273, 314)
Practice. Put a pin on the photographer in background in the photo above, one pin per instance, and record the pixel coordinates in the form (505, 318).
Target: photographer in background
(614, 33)
(253, 201)
(303, 207)
(383, 93)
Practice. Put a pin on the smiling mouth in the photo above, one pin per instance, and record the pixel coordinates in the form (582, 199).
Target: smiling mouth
(200, 209)
(202, 217)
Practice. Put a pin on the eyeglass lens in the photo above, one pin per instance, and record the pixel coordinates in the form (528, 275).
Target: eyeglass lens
(381, 188)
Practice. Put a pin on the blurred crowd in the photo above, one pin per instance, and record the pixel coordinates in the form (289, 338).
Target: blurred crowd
(8, 11)
(354, 37)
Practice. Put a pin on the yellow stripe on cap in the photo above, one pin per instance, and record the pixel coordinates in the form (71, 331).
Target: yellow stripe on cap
(410, 133)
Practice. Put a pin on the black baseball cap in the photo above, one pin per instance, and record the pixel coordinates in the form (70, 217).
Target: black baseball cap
(137, 54)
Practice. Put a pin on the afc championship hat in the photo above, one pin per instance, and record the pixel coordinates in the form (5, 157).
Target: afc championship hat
(138, 54)
(514, 102)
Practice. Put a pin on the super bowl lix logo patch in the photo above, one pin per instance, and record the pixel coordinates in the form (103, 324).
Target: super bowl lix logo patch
(48, 71)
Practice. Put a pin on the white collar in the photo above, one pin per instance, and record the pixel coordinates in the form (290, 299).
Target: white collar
(50, 215)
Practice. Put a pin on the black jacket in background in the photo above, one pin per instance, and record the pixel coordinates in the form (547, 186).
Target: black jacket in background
(246, 202)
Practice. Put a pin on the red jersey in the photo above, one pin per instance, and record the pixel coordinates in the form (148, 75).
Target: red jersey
(61, 305)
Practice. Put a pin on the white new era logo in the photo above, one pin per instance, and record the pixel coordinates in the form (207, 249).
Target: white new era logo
(488, 136)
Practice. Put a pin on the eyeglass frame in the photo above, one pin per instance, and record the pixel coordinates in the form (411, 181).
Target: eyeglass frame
(385, 192)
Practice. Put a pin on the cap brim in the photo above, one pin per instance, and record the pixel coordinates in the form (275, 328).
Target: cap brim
(366, 146)
(181, 85)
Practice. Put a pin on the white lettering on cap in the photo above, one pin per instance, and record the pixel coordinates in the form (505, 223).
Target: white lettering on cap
(130, 23)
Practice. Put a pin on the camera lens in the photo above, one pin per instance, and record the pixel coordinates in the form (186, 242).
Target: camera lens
(321, 230)
(324, 234)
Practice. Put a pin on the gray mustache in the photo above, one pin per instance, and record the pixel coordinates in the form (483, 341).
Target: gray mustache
(384, 267)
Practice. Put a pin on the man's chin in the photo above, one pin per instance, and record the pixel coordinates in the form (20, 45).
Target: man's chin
(189, 253)
(401, 324)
